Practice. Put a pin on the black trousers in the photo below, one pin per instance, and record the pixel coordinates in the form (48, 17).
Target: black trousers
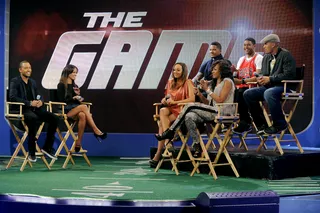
(33, 119)
(242, 105)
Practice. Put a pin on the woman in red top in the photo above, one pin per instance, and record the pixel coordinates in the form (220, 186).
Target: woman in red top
(179, 89)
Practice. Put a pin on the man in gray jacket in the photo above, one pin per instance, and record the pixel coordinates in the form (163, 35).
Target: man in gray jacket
(277, 65)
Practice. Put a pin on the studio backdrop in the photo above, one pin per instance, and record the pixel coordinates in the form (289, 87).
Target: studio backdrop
(125, 49)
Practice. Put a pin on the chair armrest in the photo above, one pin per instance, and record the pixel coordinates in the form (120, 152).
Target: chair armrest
(86, 103)
(157, 104)
(14, 114)
(57, 103)
(15, 103)
(233, 113)
(292, 81)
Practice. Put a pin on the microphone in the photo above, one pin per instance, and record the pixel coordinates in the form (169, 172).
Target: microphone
(38, 97)
(168, 96)
(257, 74)
(235, 74)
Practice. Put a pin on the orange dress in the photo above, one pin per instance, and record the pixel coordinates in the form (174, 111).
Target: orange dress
(178, 94)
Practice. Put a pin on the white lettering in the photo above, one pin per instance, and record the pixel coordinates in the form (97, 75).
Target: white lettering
(62, 53)
(130, 61)
(133, 18)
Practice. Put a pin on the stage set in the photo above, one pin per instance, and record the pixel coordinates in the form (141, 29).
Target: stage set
(124, 52)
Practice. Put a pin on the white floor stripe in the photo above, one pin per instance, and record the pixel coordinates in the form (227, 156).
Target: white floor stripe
(290, 187)
(302, 190)
(76, 190)
(145, 170)
(293, 185)
(97, 178)
(125, 162)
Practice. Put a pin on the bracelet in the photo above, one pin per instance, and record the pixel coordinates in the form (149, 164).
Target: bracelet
(208, 91)
(242, 81)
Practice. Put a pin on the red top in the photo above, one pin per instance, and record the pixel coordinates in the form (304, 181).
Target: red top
(246, 70)
(177, 94)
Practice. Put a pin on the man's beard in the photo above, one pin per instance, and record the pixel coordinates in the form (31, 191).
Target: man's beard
(26, 76)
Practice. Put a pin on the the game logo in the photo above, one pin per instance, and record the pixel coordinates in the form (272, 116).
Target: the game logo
(138, 42)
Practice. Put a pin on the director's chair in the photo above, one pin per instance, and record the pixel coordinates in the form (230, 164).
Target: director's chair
(223, 117)
(167, 154)
(295, 97)
(17, 124)
(58, 109)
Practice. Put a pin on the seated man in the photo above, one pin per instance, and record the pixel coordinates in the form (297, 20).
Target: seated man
(247, 66)
(24, 89)
(277, 65)
(205, 69)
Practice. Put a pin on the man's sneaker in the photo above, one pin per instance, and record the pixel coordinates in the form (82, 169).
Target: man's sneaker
(260, 129)
(274, 129)
(48, 153)
(32, 158)
(243, 127)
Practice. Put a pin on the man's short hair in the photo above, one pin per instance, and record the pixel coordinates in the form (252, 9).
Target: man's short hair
(251, 39)
(22, 62)
(217, 44)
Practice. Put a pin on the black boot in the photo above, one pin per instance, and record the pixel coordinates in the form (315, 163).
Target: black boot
(168, 134)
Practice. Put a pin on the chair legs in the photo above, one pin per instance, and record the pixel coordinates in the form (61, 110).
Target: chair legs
(21, 147)
(205, 158)
(168, 156)
(71, 153)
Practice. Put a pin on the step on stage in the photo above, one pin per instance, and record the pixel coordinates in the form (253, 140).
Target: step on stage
(266, 164)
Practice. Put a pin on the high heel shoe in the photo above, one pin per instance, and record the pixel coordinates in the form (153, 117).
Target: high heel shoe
(197, 149)
(168, 134)
(77, 148)
(101, 137)
(153, 163)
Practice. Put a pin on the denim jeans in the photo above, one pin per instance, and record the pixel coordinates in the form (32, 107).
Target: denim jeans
(272, 96)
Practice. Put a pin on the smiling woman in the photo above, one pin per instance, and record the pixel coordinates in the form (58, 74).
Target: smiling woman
(69, 92)
(179, 89)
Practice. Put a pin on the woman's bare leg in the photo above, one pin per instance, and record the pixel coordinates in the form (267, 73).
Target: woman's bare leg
(81, 127)
(89, 119)
(165, 119)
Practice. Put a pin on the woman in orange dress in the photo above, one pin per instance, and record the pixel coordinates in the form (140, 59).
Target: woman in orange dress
(179, 89)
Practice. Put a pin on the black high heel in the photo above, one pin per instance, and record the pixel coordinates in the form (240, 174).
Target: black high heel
(197, 150)
(77, 148)
(101, 137)
(168, 134)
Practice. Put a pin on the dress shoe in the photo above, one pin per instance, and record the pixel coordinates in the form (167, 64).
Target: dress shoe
(77, 148)
(101, 137)
(168, 134)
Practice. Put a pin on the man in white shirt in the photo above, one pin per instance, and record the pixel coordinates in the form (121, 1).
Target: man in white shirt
(247, 66)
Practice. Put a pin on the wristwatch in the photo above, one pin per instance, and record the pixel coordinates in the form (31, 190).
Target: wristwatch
(30, 103)
(242, 81)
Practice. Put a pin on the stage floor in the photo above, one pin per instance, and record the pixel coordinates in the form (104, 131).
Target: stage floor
(133, 179)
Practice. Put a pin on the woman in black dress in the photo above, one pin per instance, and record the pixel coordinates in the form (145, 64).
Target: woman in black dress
(69, 93)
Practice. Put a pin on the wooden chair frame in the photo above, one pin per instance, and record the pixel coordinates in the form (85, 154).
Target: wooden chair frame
(295, 96)
(205, 158)
(18, 116)
(69, 152)
(167, 154)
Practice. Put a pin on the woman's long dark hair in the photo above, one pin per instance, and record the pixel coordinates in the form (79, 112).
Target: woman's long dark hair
(225, 71)
(67, 70)
(184, 75)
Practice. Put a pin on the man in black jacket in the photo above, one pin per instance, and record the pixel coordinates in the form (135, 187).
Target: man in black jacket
(24, 89)
(277, 65)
